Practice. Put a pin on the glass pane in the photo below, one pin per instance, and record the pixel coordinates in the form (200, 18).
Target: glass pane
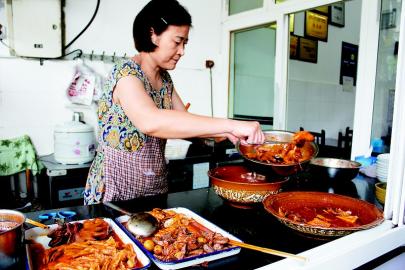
(317, 97)
(386, 75)
(237, 6)
(252, 73)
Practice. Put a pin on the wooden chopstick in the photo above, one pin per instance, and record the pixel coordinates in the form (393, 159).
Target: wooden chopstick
(267, 250)
(35, 223)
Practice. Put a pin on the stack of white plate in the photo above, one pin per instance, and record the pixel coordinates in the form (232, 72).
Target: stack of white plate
(382, 166)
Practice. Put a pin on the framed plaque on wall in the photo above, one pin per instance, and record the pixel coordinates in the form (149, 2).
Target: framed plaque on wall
(337, 14)
(348, 62)
(316, 26)
(308, 50)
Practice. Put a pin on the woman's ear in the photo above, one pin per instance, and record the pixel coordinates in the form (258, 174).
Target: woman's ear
(153, 36)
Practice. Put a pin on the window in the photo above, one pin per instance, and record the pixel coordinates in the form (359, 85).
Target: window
(237, 6)
(252, 74)
(384, 92)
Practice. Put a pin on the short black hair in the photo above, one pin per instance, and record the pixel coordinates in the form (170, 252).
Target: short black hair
(157, 14)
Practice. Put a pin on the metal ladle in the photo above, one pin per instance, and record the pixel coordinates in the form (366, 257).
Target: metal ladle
(140, 224)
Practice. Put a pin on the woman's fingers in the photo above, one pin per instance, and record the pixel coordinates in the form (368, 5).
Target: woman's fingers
(249, 132)
(256, 135)
(232, 138)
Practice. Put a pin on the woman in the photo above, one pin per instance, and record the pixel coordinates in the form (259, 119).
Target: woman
(140, 109)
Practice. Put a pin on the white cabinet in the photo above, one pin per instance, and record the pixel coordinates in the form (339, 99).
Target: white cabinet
(35, 27)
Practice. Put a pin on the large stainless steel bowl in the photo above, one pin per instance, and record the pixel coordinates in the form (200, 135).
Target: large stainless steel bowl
(275, 136)
(334, 170)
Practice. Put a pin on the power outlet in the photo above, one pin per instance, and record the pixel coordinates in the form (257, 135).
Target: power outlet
(2, 32)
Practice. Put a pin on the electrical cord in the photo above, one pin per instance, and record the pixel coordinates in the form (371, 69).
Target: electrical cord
(10, 48)
(5, 44)
(210, 64)
(85, 28)
(80, 52)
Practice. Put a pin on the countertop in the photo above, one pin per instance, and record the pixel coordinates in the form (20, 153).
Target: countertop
(254, 226)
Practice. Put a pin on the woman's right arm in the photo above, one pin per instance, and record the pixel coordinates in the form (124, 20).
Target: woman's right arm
(179, 106)
(162, 123)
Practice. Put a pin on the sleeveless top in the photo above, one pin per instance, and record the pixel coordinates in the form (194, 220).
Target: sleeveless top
(128, 163)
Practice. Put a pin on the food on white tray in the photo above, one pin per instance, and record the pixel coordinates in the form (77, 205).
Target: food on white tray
(84, 246)
(179, 237)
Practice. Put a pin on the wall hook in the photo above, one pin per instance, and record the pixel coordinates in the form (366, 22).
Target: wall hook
(79, 54)
(113, 57)
(91, 55)
(102, 56)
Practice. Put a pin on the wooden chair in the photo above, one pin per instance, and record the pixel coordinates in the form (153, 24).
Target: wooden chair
(345, 142)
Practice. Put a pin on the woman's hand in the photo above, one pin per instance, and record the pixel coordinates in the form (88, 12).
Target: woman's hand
(246, 132)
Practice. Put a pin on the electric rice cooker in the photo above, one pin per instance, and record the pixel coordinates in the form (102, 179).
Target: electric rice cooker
(74, 143)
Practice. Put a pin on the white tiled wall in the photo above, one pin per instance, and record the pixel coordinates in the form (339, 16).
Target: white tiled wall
(33, 96)
(33, 100)
(318, 105)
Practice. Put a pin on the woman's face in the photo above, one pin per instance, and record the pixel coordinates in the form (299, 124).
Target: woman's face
(170, 46)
